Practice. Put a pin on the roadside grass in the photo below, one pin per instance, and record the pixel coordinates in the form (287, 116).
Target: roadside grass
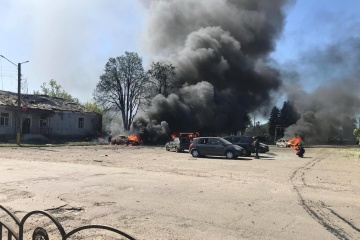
(351, 152)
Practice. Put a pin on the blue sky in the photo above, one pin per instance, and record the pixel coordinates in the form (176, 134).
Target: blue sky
(315, 24)
(70, 41)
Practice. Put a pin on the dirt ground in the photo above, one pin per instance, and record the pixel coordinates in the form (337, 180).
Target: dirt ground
(150, 193)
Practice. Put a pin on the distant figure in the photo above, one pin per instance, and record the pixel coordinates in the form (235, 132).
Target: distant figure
(300, 150)
(257, 145)
(109, 138)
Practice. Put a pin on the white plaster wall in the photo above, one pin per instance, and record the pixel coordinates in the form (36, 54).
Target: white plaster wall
(66, 123)
(8, 129)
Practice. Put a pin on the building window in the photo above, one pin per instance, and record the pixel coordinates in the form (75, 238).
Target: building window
(5, 119)
(43, 122)
(81, 123)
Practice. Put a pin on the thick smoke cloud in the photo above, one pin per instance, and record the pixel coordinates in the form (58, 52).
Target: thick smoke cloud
(327, 111)
(220, 50)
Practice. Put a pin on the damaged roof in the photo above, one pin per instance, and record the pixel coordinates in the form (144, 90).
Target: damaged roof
(41, 102)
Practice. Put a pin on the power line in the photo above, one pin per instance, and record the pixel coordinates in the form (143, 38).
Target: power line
(7, 72)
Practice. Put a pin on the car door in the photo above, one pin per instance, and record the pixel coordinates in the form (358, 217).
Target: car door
(172, 143)
(217, 148)
(204, 147)
(176, 143)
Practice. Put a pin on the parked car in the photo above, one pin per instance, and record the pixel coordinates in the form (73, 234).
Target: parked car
(178, 144)
(282, 143)
(214, 146)
(247, 144)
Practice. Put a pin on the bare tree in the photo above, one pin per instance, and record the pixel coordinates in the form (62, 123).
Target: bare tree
(121, 87)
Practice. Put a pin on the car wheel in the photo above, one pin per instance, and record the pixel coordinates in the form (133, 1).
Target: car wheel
(195, 153)
(229, 155)
(167, 148)
(177, 150)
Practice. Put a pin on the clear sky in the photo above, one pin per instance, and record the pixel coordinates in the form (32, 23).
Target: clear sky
(315, 24)
(71, 40)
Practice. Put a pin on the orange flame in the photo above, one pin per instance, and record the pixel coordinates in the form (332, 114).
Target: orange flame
(133, 138)
(293, 143)
(190, 135)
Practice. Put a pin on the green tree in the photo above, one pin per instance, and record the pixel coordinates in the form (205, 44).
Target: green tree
(274, 120)
(162, 76)
(93, 107)
(53, 89)
(288, 114)
(357, 135)
(348, 124)
(122, 87)
(107, 115)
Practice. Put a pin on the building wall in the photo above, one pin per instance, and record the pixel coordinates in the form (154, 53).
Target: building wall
(59, 124)
(35, 117)
(67, 124)
(8, 132)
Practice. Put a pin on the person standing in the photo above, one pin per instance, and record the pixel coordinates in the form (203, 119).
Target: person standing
(257, 145)
(110, 138)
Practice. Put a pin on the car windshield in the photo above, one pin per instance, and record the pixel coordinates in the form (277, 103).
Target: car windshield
(247, 140)
(185, 140)
(225, 141)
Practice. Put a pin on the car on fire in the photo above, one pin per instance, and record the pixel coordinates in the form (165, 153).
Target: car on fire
(246, 143)
(178, 144)
(282, 143)
(215, 146)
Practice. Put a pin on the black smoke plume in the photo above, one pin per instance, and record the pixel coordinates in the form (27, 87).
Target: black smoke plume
(329, 110)
(220, 50)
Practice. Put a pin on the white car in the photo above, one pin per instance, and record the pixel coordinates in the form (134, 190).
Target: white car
(282, 143)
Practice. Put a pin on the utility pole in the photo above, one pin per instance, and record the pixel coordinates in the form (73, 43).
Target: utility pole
(18, 110)
(18, 119)
(254, 124)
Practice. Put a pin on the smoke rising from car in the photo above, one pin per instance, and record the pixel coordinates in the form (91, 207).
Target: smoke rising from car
(327, 111)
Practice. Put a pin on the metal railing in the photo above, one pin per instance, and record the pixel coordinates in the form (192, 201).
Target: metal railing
(41, 234)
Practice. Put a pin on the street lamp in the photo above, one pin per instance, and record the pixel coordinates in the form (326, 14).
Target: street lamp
(18, 122)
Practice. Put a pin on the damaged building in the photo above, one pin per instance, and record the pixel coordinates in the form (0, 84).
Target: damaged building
(42, 116)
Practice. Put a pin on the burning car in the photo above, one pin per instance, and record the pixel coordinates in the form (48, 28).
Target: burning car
(282, 143)
(191, 136)
(294, 142)
(289, 143)
(131, 140)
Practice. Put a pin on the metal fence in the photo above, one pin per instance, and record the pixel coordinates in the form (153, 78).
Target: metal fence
(41, 234)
